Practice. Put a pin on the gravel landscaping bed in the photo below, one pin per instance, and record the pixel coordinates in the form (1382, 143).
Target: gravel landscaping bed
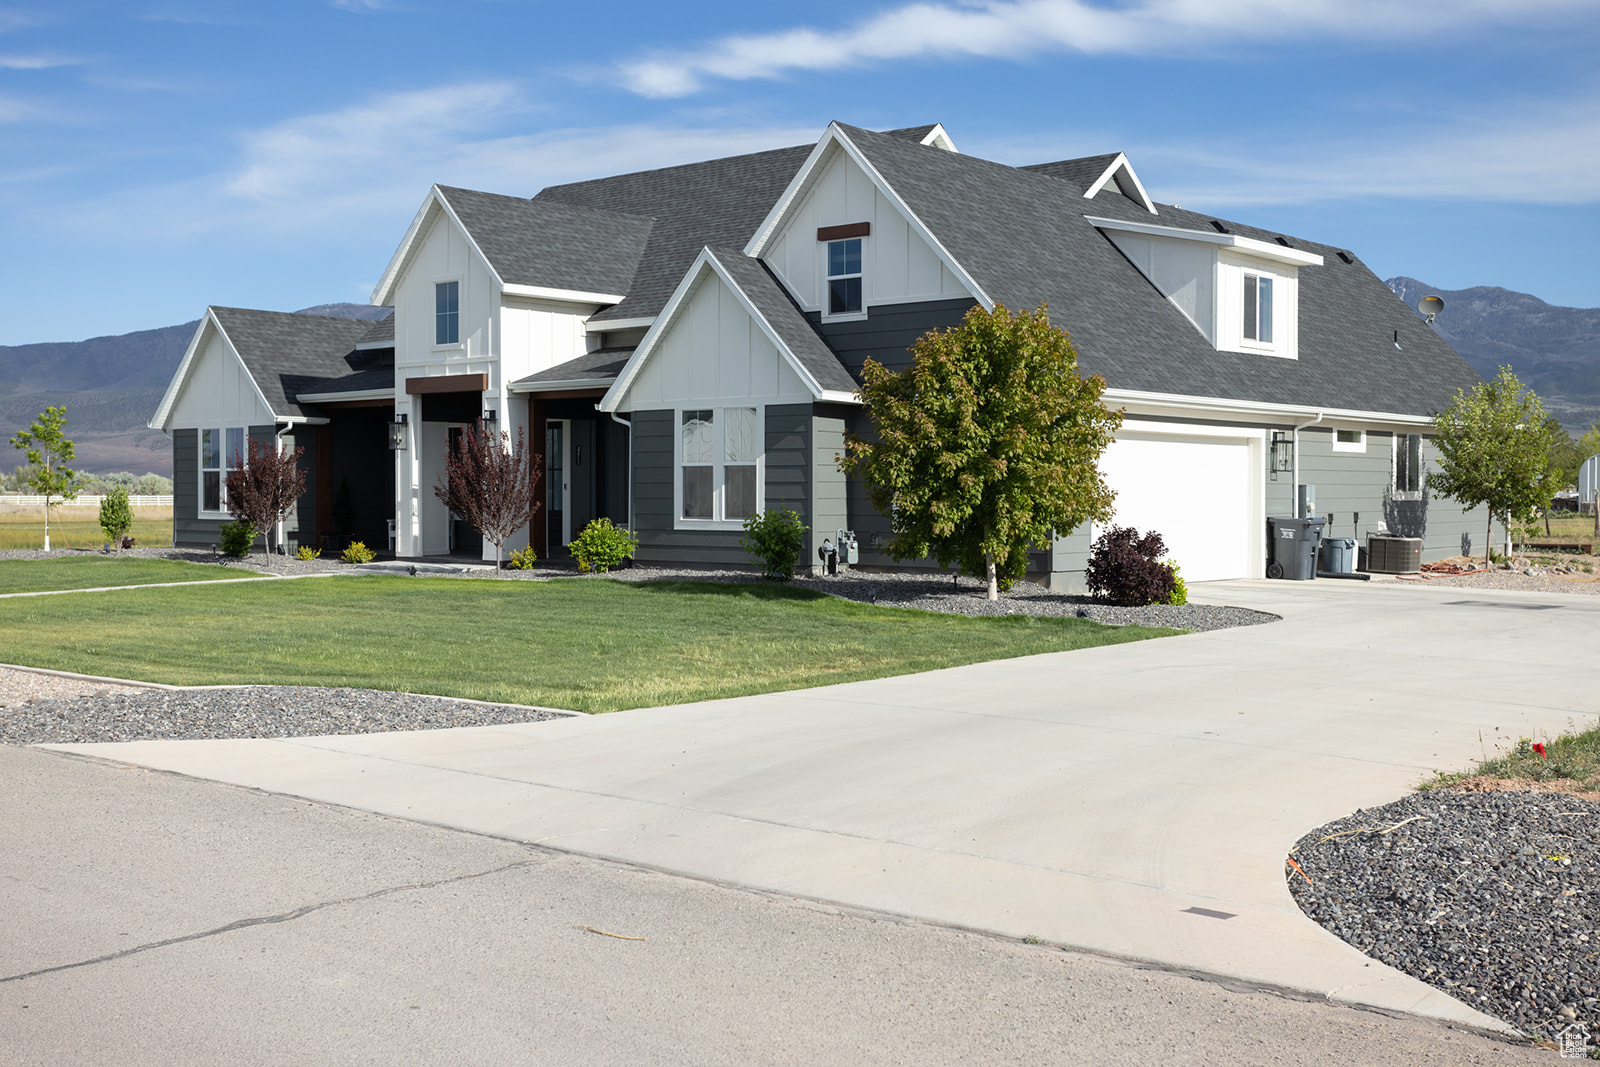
(899, 589)
(122, 714)
(1492, 897)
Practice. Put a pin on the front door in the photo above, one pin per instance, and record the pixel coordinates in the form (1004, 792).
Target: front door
(558, 489)
(464, 540)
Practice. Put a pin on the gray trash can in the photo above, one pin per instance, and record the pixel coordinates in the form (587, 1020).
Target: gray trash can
(1338, 555)
(1293, 548)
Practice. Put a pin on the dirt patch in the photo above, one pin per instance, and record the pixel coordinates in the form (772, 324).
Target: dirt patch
(1489, 784)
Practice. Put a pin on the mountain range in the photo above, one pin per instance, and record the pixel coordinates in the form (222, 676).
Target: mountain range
(1555, 351)
(110, 386)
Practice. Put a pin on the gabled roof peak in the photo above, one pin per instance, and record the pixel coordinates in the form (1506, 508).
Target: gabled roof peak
(1096, 174)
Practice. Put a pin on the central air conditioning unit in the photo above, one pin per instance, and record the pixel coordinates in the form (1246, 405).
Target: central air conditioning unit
(1394, 555)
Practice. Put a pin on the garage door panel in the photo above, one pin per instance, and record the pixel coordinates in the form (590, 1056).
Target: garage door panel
(1195, 491)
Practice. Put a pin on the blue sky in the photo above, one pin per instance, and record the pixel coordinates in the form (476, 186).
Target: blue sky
(157, 156)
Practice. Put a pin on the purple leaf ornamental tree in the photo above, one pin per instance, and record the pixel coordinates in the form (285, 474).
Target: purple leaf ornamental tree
(489, 481)
(265, 487)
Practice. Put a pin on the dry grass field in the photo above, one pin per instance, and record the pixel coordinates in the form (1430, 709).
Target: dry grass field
(77, 526)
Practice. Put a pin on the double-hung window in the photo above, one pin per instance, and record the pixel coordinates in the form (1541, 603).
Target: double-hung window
(220, 452)
(719, 459)
(1258, 308)
(446, 313)
(1407, 463)
(844, 276)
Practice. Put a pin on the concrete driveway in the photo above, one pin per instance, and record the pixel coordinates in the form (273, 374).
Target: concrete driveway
(1136, 800)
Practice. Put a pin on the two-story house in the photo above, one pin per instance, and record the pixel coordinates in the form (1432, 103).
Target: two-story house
(683, 345)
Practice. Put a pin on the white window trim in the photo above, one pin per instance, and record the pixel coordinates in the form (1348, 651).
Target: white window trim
(823, 294)
(459, 344)
(1274, 287)
(1232, 270)
(717, 465)
(1395, 491)
(224, 458)
(1349, 446)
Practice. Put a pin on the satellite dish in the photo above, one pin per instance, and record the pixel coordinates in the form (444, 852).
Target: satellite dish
(1430, 306)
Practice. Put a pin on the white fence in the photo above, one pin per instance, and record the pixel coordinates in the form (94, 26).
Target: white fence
(83, 500)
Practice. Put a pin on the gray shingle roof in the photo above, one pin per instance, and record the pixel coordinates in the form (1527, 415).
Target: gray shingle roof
(911, 133)
(1081, 172)
(601, 364)
(289, 354)
(1125, 330)
(772, 300)
(719, 202)
(552, 245)
(382, 330)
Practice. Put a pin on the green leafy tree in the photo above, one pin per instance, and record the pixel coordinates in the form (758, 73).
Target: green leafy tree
(985, 444)
(116, 515)
(47, 449)
(1494, 450)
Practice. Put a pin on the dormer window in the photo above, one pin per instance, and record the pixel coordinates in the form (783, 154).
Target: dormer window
(844, 276)
(1258, 309)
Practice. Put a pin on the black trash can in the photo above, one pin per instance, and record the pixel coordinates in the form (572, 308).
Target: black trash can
(1292, 548)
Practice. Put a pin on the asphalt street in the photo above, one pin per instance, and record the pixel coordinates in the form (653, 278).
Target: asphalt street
(151, 918)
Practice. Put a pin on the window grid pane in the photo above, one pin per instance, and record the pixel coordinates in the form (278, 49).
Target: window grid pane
(213, 490)
(447, 313)
(844, 295)
(1249, 307)
(739, 497)
(210, 450)
(699, 446)
(697, 493)
(236, 454)
(743, 443)
(1265, 300)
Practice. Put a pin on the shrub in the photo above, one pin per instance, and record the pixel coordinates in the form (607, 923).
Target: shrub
(1180, 588)
(1125, 568)
(308, 553)
(116, 516)
(523, 559)
(774, 537)
(236, 538)
(600, 546)
(358, 552)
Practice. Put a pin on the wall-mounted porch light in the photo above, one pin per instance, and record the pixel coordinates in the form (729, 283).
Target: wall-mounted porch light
(397, 433)
(490, 415)
(1282, 451)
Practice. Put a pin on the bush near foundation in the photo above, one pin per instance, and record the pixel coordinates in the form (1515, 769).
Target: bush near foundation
(235, 538)
(602, 545)
(1126, 568)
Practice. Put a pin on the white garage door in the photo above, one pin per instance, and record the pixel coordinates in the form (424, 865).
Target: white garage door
(1197, 491)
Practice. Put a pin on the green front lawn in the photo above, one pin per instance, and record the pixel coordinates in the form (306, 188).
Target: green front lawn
(93, 572)
(582, 644)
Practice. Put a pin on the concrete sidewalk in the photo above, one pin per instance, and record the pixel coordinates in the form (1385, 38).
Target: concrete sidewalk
(1135, 800)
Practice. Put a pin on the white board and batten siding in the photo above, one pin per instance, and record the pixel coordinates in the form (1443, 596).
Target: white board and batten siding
(536, 335)
(218, 391)
(1200, 487)
(714, 351)
(445, 254)
(897, 265)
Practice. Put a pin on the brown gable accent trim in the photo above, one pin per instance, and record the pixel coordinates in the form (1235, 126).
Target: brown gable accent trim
(447, 383)
(839, 233)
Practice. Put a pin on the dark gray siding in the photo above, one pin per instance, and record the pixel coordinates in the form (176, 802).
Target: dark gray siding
(830, 510)
(187, 526)
(1352, 484)
(888, 332)
(787, 462)
(653, 478)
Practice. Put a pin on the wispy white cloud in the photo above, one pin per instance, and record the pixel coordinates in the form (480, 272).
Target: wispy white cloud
(1022, 29)
(36, 62)
(358, 170)
(15, 109)
(1520, 154)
